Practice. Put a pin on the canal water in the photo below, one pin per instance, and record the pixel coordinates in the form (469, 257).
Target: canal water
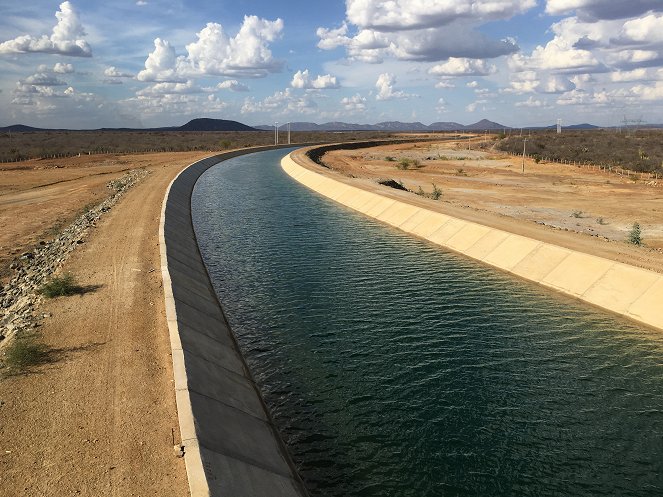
(394, 368)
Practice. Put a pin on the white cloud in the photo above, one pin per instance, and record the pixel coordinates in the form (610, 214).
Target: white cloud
(421, 30)
(461, 66)
(114, 72)
(302, 79)
(216, 54)
(61, 68)
(232, 85)
(43, 79)
(167, 88)
(281, 102)
(161, 64)
(473, 84)
(602, 9)
(397, 15)
(444, 84)
(649, 93)
(557, 84)
(355, 103)
(66, 38)
(441, 105)
(628, 76)
(385, 85)
(531, 102)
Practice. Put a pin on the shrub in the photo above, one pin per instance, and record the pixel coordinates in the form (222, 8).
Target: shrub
(404, 164)
(25, 352)
(577, 214)
(389, 158)
(60, 286)
(436, 193)
(635, 235)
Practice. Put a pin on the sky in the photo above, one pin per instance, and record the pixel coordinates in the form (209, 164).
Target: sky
(147, 63)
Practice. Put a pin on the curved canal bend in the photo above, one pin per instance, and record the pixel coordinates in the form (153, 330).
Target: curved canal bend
(393, 368)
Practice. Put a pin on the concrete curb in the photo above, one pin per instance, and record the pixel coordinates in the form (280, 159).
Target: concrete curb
(627, 290)
(231, 447)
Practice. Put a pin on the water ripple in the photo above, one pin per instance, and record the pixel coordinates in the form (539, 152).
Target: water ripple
(393, 368)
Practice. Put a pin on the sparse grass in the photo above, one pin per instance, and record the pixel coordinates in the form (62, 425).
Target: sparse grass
(601, 221)
(60, 286)
(461, 172)
(635, 235)
(577, 214)
(25, 352)
(436, 194)
(389, 158)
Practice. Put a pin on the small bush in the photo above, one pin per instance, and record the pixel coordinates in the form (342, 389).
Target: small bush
(404, 164)
(601, 221)
(436, 193)
(60, 286)
(421, 192)
(635, 235)
(577, 214)
(25, 352)
(461, 172)
(389, 159)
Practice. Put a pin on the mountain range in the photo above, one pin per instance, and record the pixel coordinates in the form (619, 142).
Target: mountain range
(206, 124)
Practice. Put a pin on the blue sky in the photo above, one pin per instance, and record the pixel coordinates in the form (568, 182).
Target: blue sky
(91, 64)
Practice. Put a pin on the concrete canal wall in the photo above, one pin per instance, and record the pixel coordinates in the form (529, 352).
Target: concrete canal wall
(231, 446)
(627, 290)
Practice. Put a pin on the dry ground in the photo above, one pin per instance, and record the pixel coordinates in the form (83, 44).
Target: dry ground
(586, 209)
(98, 419)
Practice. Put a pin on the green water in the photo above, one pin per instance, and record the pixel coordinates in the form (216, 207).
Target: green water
(394, 368)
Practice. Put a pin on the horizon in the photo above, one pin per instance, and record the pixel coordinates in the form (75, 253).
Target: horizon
(520, 63)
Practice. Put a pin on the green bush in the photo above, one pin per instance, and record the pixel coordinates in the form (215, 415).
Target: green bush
(635, 235)
(436, 193)
(25, 352)
(60, 286)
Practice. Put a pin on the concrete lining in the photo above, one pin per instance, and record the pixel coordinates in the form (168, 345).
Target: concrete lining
(231, 447)
(627, 290)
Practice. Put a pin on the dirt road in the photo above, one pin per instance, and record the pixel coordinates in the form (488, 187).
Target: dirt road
(99, 418)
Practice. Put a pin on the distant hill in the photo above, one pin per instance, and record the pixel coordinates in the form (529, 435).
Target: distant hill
(205, 124)
(387, 126)
(201, 124)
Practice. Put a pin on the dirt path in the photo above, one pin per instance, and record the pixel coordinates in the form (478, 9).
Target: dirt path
(98, 419)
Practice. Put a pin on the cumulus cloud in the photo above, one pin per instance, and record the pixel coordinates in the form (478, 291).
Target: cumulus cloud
(44, 79)
(460, 66)
(67, 37)
(601, 9)
(397, 15)
(420, 30)
(385, 86)
(114, 72)
(188, 87)
(232, 85)
(302, 79)
(61, 68)
(247, 54)
(355, 103)
(281, 102)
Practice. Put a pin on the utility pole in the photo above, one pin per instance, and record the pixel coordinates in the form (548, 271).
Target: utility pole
(288, 133)
(276, 133)
(559, 126)
(524, 149)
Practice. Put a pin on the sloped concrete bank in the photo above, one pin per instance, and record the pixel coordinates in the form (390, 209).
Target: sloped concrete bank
(627, 290)
(231, 447)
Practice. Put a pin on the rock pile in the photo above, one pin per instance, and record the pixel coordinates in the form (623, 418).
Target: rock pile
(20, 297)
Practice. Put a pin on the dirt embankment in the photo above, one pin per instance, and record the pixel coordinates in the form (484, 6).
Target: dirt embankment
(99, 417)
(581, 208)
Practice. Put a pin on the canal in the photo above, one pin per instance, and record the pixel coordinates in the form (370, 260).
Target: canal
(394, 368)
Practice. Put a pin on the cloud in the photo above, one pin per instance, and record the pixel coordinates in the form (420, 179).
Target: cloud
(61, 68)
(172, 89)
(385, 85)
(422, 31)
(601, 9)
(302, 79)
(281, 103)
(398, 15)
(114, 72)
(355, 103)
(456, 66)
(232, 85)
(66, 38)
(44, 79)
(161, 64)
(216, 54)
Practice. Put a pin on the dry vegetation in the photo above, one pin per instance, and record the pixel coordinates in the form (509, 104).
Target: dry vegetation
(32, 145)
(639, 151)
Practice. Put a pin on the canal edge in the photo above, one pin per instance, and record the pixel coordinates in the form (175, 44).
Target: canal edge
(249, 458)
(629, 291)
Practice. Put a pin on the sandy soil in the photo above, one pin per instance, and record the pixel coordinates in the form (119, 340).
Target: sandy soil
(99, 419)
(583, 209)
